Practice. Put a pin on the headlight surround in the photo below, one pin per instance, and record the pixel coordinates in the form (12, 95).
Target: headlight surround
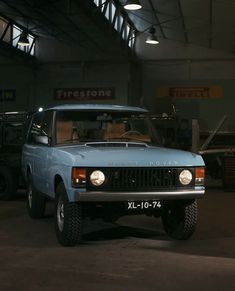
(185, 177)
(97, 178)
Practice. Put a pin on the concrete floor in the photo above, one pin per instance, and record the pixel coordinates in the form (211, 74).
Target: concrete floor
(133, 255)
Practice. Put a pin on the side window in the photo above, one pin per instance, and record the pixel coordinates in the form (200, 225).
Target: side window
(35, 128)
(40, 126)
(47, 123)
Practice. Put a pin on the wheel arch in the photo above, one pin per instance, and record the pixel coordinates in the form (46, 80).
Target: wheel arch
(57, 180)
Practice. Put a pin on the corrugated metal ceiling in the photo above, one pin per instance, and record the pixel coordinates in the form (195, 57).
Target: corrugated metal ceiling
(206, 23)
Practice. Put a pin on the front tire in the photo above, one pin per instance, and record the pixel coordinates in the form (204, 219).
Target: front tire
(179, 218)
(68, 218)
(36, 202)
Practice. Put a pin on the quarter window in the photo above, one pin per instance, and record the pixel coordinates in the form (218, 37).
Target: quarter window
(46, 124)
(41, 126)
(35, 128)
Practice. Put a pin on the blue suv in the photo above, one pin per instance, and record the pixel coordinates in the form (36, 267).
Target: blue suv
(105, 161)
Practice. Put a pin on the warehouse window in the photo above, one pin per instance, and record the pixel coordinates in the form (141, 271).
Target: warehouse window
(131, 40)
(107, 11)
(127, 30)
(10, 33)
(5, 30)
(121, 23)
(102, 4)
(16, 35)
(113, 10)
(120, 20)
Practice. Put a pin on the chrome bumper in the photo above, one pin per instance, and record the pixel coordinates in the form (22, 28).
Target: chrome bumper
(137, 196)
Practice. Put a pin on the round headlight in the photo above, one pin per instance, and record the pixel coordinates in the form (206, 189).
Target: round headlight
(185, 177)
(97, 178)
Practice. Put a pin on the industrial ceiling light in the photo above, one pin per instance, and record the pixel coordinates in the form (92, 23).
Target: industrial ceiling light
(151, 38)
(132, 5)
(23, 40)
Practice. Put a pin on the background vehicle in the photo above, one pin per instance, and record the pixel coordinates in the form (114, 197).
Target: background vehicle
(12, 132)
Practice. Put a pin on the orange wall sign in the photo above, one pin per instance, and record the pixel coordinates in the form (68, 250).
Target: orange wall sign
(188, 92)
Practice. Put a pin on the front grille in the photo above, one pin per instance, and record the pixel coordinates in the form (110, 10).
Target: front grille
(136, 179)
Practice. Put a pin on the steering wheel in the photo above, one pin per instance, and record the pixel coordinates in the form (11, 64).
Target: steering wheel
(131, 132)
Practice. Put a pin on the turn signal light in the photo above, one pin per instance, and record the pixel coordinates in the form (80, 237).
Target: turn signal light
(78, 177)
(200, 176)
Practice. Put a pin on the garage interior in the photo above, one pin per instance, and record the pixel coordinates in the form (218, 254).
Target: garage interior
(95, 51)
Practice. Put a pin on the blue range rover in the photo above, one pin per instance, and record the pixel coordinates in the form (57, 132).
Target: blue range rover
(104, 161)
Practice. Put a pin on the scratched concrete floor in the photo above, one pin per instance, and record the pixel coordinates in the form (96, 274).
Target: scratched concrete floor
(132, 255)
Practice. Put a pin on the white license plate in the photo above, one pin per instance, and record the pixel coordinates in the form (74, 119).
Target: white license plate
(131, 205)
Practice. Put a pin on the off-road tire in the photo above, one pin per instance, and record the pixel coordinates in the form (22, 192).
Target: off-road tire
(36, 202)
(68, 218)
(8, 184)
(179, 218)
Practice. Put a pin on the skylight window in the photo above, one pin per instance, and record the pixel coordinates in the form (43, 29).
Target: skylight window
(16, 32)
(131, 40)
(10, 33)
(5, 30)
(102, 4)
(107, 11)
(113, 10)
(116, 18)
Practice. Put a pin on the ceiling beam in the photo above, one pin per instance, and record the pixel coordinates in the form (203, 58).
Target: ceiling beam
(211, 23)
(183, 21)
(77, 28)
(156, 18)
(24, 16)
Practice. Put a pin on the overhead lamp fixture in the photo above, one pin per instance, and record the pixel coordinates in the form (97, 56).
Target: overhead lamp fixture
(23, 40)
(132, 5)
(151, 38)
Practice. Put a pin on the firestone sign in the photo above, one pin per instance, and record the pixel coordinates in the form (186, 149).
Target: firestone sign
(84, 93)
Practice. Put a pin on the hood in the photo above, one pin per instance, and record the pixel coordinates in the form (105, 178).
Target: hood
(128, 155)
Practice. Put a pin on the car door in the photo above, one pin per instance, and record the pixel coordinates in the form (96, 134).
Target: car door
(29, 152)
(36, 152)
(44, 152)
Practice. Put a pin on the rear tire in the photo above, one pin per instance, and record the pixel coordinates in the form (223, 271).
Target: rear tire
(8, 184)
(36, 202)
(68, 218)
(179, 218)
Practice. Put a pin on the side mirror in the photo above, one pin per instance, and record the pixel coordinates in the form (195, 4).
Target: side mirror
(42, 139)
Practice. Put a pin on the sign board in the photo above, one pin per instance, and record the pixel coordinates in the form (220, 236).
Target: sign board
(187, 92)
(101, 93)
(7, 95)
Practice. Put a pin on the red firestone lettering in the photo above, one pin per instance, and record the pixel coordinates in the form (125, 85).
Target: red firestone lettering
(108, 93)
(60, 94)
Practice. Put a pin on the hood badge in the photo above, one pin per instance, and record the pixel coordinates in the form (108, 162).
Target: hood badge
(144, 164)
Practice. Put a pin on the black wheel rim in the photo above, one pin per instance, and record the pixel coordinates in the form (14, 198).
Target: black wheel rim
(60, 215)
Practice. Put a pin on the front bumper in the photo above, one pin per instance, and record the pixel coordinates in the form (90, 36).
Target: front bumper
(139, 196)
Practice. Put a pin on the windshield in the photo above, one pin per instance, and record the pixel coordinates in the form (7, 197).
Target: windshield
(82, 127)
